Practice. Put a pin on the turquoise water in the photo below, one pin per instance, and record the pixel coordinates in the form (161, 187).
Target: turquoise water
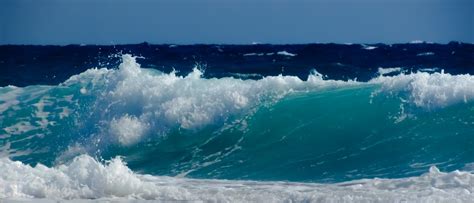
(138, 133)
(327, 134)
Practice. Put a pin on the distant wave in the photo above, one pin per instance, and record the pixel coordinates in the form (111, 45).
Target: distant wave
(285, 53)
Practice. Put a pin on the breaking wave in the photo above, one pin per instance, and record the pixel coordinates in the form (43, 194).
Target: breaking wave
(278, 128)
(85, 178)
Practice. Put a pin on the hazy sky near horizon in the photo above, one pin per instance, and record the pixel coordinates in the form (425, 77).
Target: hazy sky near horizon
(234, 22)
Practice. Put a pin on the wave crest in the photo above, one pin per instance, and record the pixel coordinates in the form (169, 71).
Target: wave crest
(430, 90)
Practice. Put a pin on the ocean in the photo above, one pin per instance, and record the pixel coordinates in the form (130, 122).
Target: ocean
(237, 123)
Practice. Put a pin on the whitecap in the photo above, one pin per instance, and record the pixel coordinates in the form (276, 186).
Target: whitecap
(285, 53)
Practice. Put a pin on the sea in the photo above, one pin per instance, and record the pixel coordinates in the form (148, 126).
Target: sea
(237, 123)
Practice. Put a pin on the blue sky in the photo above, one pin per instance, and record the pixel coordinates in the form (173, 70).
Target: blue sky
(234, 22)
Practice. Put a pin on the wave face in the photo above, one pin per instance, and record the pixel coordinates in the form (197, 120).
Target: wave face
(278, 128)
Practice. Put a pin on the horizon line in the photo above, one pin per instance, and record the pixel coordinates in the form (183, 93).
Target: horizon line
(237, 44)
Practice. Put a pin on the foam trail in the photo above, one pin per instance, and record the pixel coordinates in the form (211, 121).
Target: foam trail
(85, 178)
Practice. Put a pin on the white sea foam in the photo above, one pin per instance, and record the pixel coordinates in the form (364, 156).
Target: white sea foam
(285, 53)
(128, 129)
(385, 71)
(367, 47)
(7, 151)
(41, 113)
(85, 178)
(430, 90)
(9, 98)
(19, 128)
(65, 112)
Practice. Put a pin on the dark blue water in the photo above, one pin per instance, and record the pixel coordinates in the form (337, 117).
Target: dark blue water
(51, 65)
